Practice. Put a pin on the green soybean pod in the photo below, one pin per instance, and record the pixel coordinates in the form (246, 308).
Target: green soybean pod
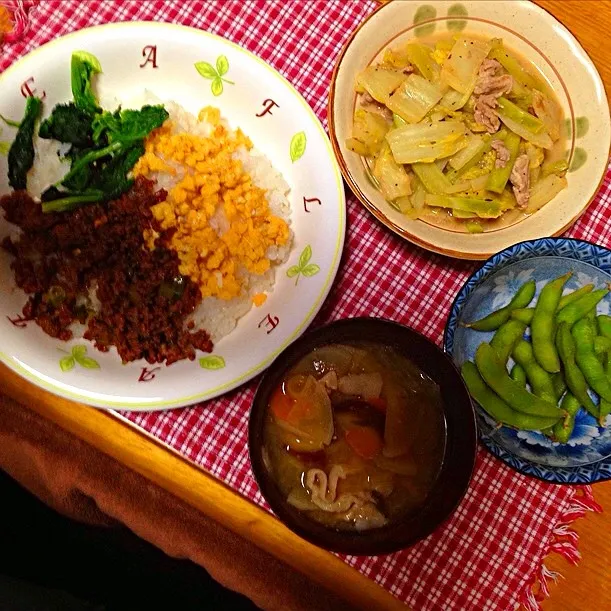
(587, 361)
(604, 325)
(563, 429)
(524, 315)
(540, 381)
(575, 379)
(574, 295)
(518, 398)
(518, 374)
(602, 344)
(605, 406)
(496, 407)
(506, 337)
(494, 320)
(559, 385)
(542, 326)
(580, 307)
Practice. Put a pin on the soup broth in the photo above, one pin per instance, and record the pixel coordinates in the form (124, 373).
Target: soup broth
(355, 436)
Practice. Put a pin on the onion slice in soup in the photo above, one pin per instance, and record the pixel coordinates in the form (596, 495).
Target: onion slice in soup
(309, 421)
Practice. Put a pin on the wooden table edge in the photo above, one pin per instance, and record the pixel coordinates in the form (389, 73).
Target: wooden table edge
(165, 467)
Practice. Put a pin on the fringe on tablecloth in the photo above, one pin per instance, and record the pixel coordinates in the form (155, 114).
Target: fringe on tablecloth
(18, 15)
(563, 541)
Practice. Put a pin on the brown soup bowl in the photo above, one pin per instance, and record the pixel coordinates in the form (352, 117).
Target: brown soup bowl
(460, 446)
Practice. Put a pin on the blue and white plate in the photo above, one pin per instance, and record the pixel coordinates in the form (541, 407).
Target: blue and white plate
(586, 458)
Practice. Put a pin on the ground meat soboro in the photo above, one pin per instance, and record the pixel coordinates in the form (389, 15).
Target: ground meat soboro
(142, 302)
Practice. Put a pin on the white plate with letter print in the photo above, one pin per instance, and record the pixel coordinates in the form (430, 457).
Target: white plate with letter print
(173, 216)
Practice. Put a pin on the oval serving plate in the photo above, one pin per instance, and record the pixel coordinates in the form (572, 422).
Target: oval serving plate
(587, 456)
(161, 58)
(533, 33)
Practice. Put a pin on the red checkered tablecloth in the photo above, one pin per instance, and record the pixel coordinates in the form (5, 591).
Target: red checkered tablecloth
(491, 552)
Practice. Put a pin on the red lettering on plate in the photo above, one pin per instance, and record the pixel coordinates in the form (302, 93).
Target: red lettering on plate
(267, 107)
(310, 200)
(148, 374)
(270, 322)
(19, 321)
(27, 89)
(150, 54)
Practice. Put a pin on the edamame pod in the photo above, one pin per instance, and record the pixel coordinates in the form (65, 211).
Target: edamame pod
(506, 337)
(518, 374)
(602, 344)
(495, 319)
(542, 326)
(540, 381)
(605, 406)
(496, 407)
(563, 429)
(587, 361)
(574, 295)
(604, 325)
(559, 385)
(524, 315)
(582, 306)
(575, 379)
(518, 398)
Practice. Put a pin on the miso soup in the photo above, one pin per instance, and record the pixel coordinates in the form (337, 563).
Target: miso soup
(355, 436)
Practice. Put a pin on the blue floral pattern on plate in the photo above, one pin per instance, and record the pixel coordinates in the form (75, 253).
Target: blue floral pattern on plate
(587, 456)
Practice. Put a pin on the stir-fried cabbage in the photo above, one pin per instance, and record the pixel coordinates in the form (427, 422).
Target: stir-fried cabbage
(448, 125)
(379, 82)
(426, 142)
(414, 98)
(460, 68)
(393, 179)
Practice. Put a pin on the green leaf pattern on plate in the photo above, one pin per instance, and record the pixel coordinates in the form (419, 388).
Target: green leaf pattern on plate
(77, 356)
(209, 72)
(424, 13)
(582, 125)
(457, 25)
(580, 155)
(212, 362)
(304, 267)
(298, 146)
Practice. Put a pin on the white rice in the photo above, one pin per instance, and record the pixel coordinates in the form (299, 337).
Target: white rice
(218, 317)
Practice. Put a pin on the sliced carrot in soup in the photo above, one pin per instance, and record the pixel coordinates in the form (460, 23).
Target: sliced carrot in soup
(310, 420)
(365, 441)
(281, 404)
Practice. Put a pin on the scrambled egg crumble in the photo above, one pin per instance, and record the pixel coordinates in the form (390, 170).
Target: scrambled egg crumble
(213, 251)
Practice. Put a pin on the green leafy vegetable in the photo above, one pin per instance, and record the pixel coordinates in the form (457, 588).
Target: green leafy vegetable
(83, 66)
(68, 123)
(105, 145)
(9, 122)
(21, 153)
